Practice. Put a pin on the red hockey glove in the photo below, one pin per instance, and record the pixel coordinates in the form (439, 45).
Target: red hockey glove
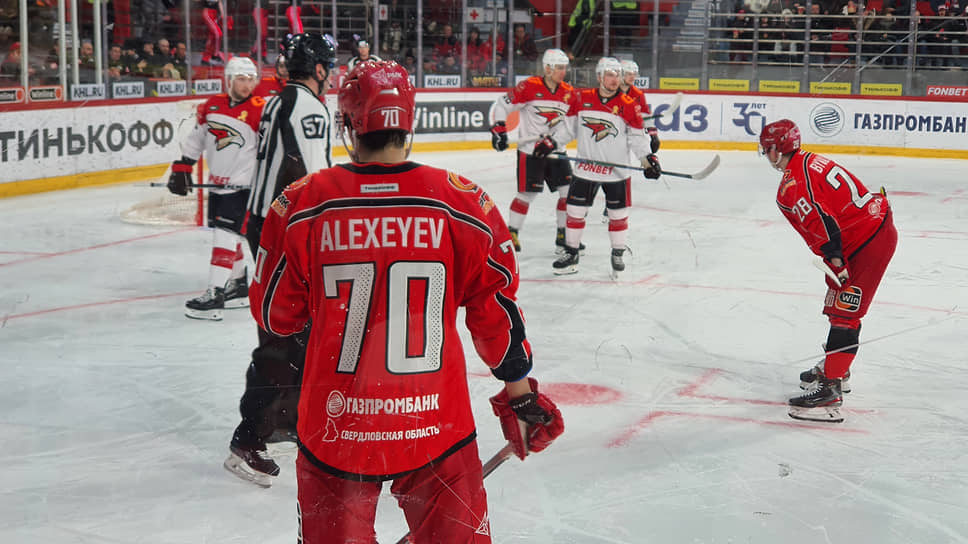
(654, 136)
(544, 147)
(530, 422)
(652, 169)
(840, 271)
(499, 136)
(180, 180)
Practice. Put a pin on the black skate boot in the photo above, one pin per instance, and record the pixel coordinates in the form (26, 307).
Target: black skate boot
(207, 306)
(237, 291)
(514, 239)
(618, 265)
(822, 404)
(251, 463)
(809, 379)
(560, 244)
(567, 263)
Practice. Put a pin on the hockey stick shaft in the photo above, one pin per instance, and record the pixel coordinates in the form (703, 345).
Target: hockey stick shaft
(818, 262)
(202, 186)
(697, 176)
(488, 467)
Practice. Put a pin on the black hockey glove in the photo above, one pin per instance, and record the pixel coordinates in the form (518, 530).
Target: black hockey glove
(180, 180)
(544, 147)
(651, 165)
(654, 136)
(499, 136)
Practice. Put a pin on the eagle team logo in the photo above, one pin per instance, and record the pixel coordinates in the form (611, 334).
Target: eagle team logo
(552, 116)
(224, 135)
(600, 128)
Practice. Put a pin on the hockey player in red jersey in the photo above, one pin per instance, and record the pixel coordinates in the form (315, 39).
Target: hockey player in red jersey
(543, 103)
(608, 126)
(272, 86)
(379, 254)
(212, 14)
(852, 229)
(226, 132)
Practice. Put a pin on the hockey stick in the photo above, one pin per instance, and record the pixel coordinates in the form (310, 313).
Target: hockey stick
(203, 186)
(672, 109)
(702, 174)
(489, 466)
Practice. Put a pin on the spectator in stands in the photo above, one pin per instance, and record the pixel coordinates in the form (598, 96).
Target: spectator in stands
(429, 66)
(116, 68)
(476, 56)
(449, 65)
(767, 42)
(85, 62)
(623, 23)
(392, 43)
(10, 68)
(819, 32)
(741, 37)
(180, 59)
(490, 51)
(164, 51)
(944, 40)
(129, 57)
(50, 71)
(446, 44)
(525, 51)
(410, 62)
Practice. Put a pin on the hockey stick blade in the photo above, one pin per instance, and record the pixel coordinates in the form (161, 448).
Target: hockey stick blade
(676, 102)
(488, 467)
(702, 174)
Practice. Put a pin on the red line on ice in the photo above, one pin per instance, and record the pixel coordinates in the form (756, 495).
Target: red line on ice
(93, 305)
(98, 246)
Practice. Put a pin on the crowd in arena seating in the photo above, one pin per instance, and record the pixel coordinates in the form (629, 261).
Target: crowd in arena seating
(881, 28)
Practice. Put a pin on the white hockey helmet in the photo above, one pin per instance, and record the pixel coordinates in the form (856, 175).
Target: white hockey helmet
(240, 66)
(630, 67)
(608, 64)
(554, 57)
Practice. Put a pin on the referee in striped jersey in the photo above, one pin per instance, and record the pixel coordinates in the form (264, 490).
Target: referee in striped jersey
(294, 140)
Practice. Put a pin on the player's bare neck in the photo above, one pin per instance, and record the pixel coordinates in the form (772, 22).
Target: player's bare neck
(551, 85)
(387, 155)
(605, 95)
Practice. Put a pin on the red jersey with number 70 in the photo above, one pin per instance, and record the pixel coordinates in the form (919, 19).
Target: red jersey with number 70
(380, 258)
(830, 208)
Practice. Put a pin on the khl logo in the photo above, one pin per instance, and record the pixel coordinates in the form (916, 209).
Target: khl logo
(751, 120)
(827, 119)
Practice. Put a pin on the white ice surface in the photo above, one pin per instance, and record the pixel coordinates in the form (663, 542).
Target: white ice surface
(116, 410)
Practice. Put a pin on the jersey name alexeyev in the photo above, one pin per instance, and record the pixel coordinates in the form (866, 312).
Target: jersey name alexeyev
(399, 405)
(378, 232)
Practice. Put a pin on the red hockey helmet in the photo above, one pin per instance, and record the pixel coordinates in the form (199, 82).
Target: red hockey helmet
(377, 95)
(782, 135)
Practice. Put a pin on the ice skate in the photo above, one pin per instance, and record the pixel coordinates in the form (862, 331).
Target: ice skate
(282, 442)
(822, 404)
(207, 306)
(237, 292)
(567, 263)
(251, 464)
(809, 379)
(560, 244)
(618, 264)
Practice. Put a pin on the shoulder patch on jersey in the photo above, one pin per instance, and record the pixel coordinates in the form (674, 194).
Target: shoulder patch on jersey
(258, 101)
(786, 184)
(455, 180)
(280, 205)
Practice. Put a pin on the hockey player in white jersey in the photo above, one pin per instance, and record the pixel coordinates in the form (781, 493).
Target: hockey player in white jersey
(607, 125)
(225, 132)
(294, 140)
(543, 103)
